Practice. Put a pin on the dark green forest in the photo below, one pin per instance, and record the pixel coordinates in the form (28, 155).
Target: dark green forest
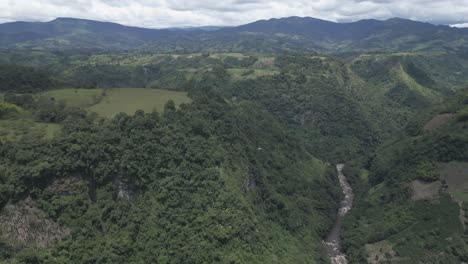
(223, 179)
(389, 207)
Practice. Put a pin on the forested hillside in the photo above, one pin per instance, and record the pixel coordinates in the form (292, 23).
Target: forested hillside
(412, 192)
(345, 106)
(213, 181)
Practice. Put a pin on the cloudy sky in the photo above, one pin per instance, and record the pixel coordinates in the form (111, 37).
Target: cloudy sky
(180, 13)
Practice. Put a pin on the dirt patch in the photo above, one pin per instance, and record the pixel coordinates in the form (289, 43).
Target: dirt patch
(455, 174)
(438, 121)
(264, 63)
(25, 224)
(380, 252)
(425, 191)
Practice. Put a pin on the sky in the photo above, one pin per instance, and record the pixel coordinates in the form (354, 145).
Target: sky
(185, 13)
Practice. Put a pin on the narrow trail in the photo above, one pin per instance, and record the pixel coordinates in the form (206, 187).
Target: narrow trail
(333, 240)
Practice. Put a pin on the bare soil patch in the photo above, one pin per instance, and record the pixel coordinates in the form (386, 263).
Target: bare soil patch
(438, 121)
(380, 252)
(424, 190)
(455, 174)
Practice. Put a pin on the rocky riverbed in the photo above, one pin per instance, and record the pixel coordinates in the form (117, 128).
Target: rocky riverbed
(333, 240)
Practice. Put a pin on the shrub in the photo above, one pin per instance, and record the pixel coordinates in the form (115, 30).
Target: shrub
(427, 171)
(8, 109)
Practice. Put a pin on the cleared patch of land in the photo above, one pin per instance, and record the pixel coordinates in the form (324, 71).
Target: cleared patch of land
(225, 55)
(12, 130)
(242, 73)
(129, 100)
(24, 223)
(425, 191)
(380, 252)
(117, 100)
(265, 63)
(455, 175)
(23, 125)
(76, 97)
(438, 121)
(108, 104)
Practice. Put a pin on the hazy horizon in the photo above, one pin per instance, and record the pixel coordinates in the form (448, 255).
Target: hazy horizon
(459, 25)
(177, 13)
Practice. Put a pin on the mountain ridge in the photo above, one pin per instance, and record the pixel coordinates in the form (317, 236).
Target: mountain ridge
(272, 35)
(223, 26)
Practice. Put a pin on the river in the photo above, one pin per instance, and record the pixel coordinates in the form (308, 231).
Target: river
(333, 240)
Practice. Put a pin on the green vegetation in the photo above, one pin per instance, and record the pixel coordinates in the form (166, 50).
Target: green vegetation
(344, 107)
(129, 100)
(227, 157)
(8, 109)
(14, 78)
(43, 113)
(33, 122)
(428, 230)
(372, 95)
(213, 181)
(76, 97)
(14, 130)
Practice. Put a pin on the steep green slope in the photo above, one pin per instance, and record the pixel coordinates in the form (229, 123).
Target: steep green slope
(345, 108)
(215, 181)
(411, 193)
(403, 81)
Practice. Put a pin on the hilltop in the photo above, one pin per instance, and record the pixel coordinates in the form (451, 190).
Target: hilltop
(273, 35)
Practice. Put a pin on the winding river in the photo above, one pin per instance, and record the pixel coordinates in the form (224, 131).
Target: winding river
(333, 240)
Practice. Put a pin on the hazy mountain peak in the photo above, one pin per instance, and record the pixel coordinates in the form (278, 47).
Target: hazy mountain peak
(277, 34)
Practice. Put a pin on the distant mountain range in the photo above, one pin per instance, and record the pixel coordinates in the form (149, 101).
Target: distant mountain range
(273, 35)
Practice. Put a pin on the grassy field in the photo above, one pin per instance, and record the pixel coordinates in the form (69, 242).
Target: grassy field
(416, 87)
(126, 100)
(241, 73)
(12, 130)
(129, 100)
(23, 126)
(76, 97)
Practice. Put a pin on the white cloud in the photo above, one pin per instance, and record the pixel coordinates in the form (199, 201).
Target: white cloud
(174, 13)
(462, 25)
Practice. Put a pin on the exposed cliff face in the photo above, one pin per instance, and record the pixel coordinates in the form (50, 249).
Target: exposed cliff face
(25, 224)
